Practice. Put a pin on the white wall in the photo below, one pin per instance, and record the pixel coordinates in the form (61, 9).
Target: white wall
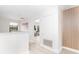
(49, 28)
(31, 29)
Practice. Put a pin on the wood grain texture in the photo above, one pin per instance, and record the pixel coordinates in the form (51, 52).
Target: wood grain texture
(71, 28)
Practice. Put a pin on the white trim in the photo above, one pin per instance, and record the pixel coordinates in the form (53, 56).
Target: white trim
(51, 49)
(71, 49)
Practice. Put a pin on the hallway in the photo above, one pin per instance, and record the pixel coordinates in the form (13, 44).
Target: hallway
(42, 23)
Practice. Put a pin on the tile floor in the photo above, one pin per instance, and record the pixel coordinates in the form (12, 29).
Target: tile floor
(37, 49)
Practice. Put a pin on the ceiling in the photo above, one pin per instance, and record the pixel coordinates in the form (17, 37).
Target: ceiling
(16, 12)
(64, 7)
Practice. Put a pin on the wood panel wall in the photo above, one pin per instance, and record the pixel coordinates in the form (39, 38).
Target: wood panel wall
(71, 28)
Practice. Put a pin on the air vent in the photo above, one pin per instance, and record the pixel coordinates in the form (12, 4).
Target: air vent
(47, 42)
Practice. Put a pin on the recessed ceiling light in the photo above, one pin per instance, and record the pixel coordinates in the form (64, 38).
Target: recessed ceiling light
(37, 20)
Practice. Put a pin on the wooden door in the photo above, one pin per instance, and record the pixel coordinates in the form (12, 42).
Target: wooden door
(71, 28)
(67, 30)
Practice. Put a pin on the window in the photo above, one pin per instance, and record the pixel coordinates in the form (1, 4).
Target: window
(13, 27)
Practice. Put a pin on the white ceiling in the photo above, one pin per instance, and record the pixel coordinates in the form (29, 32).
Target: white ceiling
(19, 11)
(64, 7)
(27, 11)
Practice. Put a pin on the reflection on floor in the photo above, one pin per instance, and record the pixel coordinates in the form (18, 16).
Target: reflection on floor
(37, 49)
(65, 51)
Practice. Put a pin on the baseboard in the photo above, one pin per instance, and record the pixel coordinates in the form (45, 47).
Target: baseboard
(47, 47)
(71, 49)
